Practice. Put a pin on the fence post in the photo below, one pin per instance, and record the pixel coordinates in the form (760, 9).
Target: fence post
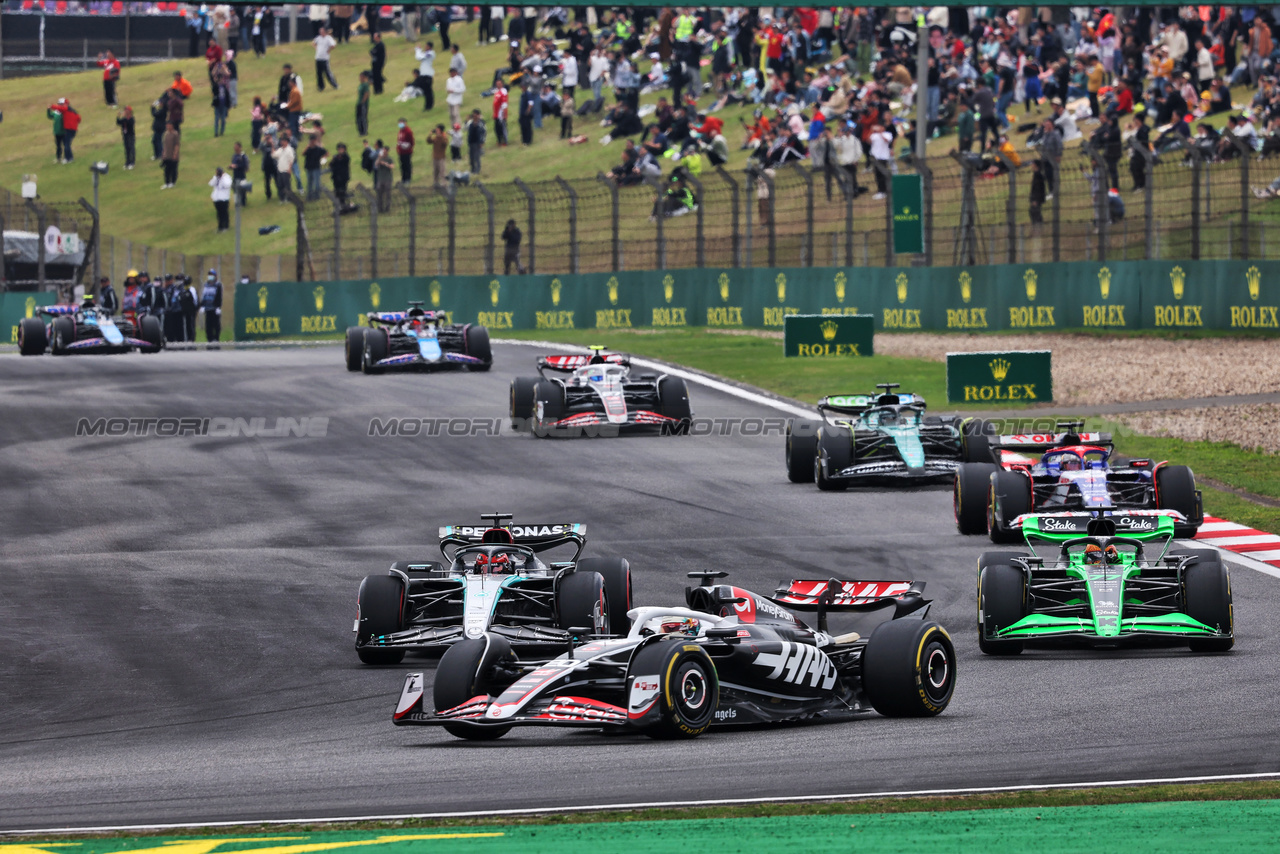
(41, 225)
(413, 228)
(94, 241)
(337, 231)
(1149, 223)
(1011, 211)
(773, 218)
(1101, 207)
(752, 178)
(888, 210)
(533, 225)
(733, 194)
(573, 222)
(701, 251)
(371, 202)
(3, 282)
(659, 216)
(302, 260)
(926, 183)
(488, 244)
(1245, 153)
(451, 206)
(965, 251)
(808, 211)
(617, 244)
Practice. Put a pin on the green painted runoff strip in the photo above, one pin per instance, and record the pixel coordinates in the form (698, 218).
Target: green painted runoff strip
(1170, 827)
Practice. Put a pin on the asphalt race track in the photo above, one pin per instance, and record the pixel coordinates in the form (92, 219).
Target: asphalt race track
(175, 621)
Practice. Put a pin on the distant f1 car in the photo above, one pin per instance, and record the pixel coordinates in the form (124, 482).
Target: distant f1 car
(865, 439)
(492, 583)
(416, 338)
(1073, 472)
(1113, 580)
(730, 657)
(597, 391)
(87, 329)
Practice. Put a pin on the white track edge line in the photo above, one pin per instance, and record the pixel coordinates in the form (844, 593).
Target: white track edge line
(848, 796)
(1241, 558)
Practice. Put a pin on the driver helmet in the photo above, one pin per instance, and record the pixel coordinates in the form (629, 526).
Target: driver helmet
(494, 563)
(1069, 462)
(1093, 554)
(685, 626)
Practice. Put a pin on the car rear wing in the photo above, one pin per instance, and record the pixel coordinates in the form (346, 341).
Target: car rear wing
(566, 362)
(536, 536)
(56, 310)
(834, 594)
(1129, 524)
(391, 317)
(856, 404)
(1067, 434)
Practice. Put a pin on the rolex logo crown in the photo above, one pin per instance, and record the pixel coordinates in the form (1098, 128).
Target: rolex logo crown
(1254, 277)
(829, 328)
(1029, 278)
(966, 286)
(668, 287)
(1104, 282)
(494, 289)
(318, 293)
(999, 369)
(1179, 279)
(555, 291)
(841, 281)
(901, 282)
(781, 281)
(612, 285)
(262, 299)
(375, 294)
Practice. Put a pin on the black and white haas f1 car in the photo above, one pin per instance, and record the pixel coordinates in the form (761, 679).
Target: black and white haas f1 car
(597, 394)
(417, 338)
(730, 657)
(87, 329)
(493, 582)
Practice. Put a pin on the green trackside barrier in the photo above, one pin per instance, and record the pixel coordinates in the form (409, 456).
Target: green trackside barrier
(1000, 377)
(822, 335)
(1213, 295)
(16, 306)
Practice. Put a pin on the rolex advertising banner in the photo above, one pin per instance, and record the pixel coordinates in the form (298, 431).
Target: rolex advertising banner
(14, 306)
(908, 202)
(1014, 376)
(1025, 298)
(822, 335)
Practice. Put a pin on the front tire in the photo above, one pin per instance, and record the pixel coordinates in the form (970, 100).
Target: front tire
(1176, 490)
(581, 601)
(673, 402)
(969, 496)
(376, 346)
(909, 669)
(688, 688)
(380, 604)
(1002, 601)
(801, 450)
(548, 406)
(835, 448)
(1008, 498)
(1206, 597)
(152, 331)
(64, 335)
(476, 339)
(355, 347)
(465, 671)
(616, 573)
(975, 444)
(522, 402)
(32, 337)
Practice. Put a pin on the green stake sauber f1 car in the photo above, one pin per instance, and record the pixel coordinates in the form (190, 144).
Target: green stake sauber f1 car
(1104, 580)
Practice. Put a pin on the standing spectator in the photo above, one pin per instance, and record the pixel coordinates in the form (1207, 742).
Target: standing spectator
(1051, 155)
(110, 74)
(985, 103)
(287, 81)
(368, 157)
(500, 113)
(212, 56)
(444, 17)
(258, 118)
(174, 328)
(598, 67)
(458, 62)
(1096, 77)
(377, 61)
(454, 88)
(848, 153)
(258, 31)
(1142, 140)
(294, 107)
(324, 44)
(340, 173)
(511, 252)
(382, 171)
(455, 145)
(475, 140)
(239, 172)
(182, 85)
(362, 104)
(177, 112)
(342, 22)
(965, 127)
(569, 74)
(313, 161)
(527, 99)
(269, 178)
(221, 196)
(1037, 197)
(211, 303)
(159, 119)
(284, 157)
(426, 79)
(496, 16)
(318, 16)
(882, 153)
(439, 141)
(190, 306)
(107, 296)
(566, 116)
(233, 77)
(55, 112)
(128, 134)
(221, 105)
(404, 148)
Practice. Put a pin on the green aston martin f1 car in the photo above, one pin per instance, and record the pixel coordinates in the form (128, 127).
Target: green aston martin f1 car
(1113, 580)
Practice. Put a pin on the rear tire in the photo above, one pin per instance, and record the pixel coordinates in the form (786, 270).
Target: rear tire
(581, 601)
(381, 608)
(355, 347)
(975, 444)
(1002, 601)
(476, 339)
(522, 401)
(374, 350)
(616, 573)
(835, 447)
(151, 331)
(1009, 497)
(909, 669)
(32, 337)
(549, 397)
(464, 672)
(1176, 490)
(688, 688)
(673, 402)
(64, 335)
(1206, 596)
(801, 450)
(969, 496)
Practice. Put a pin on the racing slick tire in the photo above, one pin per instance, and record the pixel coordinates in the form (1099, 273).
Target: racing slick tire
(688, 688)
(32, 337)
(374, 350)
(673, 402)
(1011, 491)
(464, 672)
(581, 601)
(64, 335)
(975, 444)
(1002, 600)
(835, 445)
(549, 397)
(909, 668)
(969, 496)
(522, 400)
(151, 331)
(802, 449)
(1206, 594)
(476, 340)
(380, 604)
(1176, 490)
(355, 347)
(616, 573)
